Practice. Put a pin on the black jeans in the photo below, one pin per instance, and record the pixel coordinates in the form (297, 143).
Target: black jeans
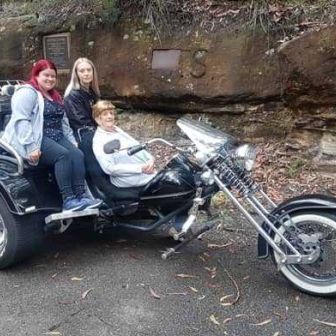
(68, 163)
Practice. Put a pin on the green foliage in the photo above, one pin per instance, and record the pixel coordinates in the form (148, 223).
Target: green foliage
(295, 167)
(111, 11)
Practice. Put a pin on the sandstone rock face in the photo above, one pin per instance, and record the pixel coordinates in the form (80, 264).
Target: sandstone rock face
(248, 84)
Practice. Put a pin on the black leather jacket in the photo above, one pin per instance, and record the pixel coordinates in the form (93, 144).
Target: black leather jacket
(78, 107)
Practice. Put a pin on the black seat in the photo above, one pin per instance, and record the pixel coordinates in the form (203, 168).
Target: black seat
(98, 181)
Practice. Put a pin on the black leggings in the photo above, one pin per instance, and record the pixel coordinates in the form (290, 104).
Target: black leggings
(68, 163)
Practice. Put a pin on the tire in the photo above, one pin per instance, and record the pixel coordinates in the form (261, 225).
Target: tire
(311, 278)
(20, 237)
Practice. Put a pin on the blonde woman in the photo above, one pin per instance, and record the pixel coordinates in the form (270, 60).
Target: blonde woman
(81, 93)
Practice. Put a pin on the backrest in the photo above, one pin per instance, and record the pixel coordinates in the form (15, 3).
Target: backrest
(7, 89)
(97, 179)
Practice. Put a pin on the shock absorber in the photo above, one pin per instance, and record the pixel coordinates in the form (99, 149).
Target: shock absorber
(234, 176)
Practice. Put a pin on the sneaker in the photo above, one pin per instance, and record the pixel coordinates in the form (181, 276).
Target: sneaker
(73, 204)
(90, 203)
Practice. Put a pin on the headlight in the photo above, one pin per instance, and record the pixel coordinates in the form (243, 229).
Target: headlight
(245, 156)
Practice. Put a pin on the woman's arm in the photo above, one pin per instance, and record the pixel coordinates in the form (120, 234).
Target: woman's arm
(109, 162)
(23, 106)
(67, 131)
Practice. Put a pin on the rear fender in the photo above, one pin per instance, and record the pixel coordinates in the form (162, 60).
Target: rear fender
(11, 204)
(315, 202)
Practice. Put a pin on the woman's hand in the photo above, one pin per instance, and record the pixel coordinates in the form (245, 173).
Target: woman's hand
(35, 155)
(148, 168)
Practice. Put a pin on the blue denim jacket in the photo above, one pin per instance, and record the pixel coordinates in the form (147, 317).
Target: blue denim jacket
(24, 131)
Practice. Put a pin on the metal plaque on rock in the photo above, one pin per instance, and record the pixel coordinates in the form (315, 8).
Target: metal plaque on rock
(57, 48)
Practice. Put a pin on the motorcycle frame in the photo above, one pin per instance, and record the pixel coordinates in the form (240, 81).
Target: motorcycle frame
(249, 191)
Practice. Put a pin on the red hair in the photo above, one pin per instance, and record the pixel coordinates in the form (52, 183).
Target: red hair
(39, 66)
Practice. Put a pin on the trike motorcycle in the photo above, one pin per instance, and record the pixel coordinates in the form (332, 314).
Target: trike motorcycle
(299, 234)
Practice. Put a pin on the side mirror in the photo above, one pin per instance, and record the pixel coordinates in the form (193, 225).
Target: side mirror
(112, 146)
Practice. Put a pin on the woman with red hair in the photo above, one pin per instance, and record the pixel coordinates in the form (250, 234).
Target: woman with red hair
(39, 130)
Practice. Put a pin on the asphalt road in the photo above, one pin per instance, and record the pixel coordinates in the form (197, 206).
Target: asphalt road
(83, 287)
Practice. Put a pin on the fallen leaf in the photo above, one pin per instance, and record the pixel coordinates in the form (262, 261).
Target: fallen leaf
(193, 289)
(276, 333)
(53, 333)
(86, 293)
(280, 315)
(262, 323)
(313, 333)
(219, 246)
(214, 320)
(227, 320)
(297, 298)
(76, 279)
(181, 293)
(225, 297)
(246, 278)
(156, 296)
(330, 324)
(210, 269)
(186, 276)
(54, 275)
(201, 297)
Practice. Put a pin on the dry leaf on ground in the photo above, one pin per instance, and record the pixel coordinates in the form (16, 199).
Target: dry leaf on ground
(214, 320)
(185, 276)
(262, 323)
(330, 324)
(84, 295)
(156, 296)
(219, 246)
(176, 293)
(225, 297)
(76, 279)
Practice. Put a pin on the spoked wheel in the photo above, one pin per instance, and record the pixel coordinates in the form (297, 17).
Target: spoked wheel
(20, 237)
(318, 278)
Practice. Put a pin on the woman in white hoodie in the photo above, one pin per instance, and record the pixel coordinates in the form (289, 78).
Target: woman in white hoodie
(124, 170)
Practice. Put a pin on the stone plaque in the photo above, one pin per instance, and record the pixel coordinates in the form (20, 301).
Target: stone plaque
(57, 48)
(166, 59)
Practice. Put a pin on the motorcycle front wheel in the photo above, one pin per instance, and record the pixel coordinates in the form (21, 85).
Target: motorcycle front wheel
(318, 278)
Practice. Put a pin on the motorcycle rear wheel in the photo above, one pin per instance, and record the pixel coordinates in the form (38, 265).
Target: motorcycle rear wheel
(318, 278)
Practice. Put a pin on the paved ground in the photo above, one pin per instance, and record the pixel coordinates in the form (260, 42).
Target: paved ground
(82, 287)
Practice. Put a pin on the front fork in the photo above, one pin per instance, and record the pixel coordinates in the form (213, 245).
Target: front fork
(295, 257)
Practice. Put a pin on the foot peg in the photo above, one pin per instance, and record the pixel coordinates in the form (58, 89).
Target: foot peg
(171, 250)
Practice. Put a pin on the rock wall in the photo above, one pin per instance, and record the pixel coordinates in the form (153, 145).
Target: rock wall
(251, 84)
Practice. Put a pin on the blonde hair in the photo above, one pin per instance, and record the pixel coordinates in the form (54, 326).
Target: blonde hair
(74, 81)
(100, 107)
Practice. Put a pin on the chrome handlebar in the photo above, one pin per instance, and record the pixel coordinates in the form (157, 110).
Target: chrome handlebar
(18, 158)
